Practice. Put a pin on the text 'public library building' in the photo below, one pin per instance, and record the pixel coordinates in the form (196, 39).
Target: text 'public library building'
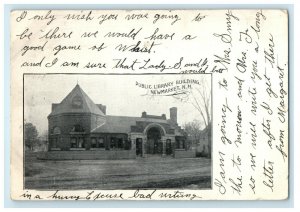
(80, 129)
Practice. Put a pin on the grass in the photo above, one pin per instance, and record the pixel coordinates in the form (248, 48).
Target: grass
(141, 173)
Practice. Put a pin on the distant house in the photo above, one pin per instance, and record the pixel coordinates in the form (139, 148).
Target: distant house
(80, 129)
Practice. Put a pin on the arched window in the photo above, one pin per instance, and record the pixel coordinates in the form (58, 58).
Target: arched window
(77, 128)
(56, 130)
(54, 143)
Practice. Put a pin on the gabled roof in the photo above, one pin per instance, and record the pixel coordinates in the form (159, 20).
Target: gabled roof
(67, 104)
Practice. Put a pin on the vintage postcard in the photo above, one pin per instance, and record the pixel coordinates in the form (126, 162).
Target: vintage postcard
(149, 104)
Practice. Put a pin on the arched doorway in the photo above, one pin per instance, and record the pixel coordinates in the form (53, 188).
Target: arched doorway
(154, 144)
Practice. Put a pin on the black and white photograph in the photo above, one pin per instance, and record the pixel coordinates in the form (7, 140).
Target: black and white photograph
(149, 104)
(117, 132)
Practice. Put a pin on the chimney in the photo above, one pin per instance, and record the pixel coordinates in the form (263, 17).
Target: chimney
(173, 114)
(54, 106)
(144, 114)
(102, 108)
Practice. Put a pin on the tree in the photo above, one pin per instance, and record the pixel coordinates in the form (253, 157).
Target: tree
(193, 131)
(200, 98)
(31, 135)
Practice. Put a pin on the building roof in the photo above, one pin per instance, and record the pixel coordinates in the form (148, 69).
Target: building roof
(116, 124)
(86, 105)
(77, 101)
(122, 124)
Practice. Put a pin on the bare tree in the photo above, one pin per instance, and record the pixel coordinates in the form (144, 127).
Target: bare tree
(199, 95)
(200, 98)
(193, 131)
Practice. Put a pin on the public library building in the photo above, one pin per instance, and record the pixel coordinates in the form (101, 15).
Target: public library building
(80, 129)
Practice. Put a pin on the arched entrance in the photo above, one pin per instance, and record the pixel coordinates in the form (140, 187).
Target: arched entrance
(154, 144)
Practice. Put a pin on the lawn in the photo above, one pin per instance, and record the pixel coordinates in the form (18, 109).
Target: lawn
(142, 173)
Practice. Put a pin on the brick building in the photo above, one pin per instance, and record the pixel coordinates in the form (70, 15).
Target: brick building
(81, 129)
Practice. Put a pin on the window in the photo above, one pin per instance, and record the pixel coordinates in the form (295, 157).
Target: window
(101, 142)
(77, 142)
(116, 143)
(97, 143)
(180, 144)
(168, 147)
(54, 143)
(77, 128)
(80, 143)
(77, 102)
(120, 144)
(93, 143)
(113, 143)
(73, 142)
(56, 130)
(127, 145)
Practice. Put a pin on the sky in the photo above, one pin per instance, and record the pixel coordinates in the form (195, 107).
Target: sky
(124, 95)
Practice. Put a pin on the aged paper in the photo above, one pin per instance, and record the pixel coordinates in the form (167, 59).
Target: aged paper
(149, 105)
